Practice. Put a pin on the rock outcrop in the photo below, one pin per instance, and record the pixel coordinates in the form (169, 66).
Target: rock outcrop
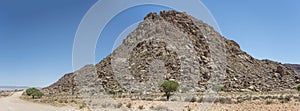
(174, 45)
(65, 85)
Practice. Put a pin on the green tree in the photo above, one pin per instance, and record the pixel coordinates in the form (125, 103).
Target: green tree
(34, 93)
(169, 86)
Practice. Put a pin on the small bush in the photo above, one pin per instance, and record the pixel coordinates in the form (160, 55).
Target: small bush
(160, 108)
(120, 91)
(82, 106)
(225, 100)
(60, 101)
(206, 99)
(105, 105)
(274, 97)
(173, 99)
(149, 99)
(298, 87)
(35, 93)
(218, 88)
(200, 100)
(268, 102)
(137, 92)
(162, 99)
(141, 107)
(5, 94)
(128, 105)
(185, 89)
(192, 99)
(118, 105)
(268, 97)
(255, 98)
(151, 107)
(112, 92)
(287, 98)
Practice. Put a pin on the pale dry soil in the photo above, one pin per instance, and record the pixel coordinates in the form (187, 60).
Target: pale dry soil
(190, 106)
(14, 103)
(256, 107)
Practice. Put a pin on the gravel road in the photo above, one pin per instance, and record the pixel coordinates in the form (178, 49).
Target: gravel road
(14, 103)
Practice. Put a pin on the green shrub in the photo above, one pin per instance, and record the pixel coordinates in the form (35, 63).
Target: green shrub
(112, 92)
(298, 87)
(169, 86)
(34, 93)
(120, 91)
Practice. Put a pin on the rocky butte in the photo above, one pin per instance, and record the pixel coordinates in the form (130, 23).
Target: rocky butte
(175, 45)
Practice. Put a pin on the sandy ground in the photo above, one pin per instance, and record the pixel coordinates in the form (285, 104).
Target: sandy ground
(256, 107)
(189, 106)
(14, 103)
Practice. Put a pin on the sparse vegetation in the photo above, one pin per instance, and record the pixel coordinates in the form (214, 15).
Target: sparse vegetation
(112, 92)
(118, 105)
(82, 106)
(194, 99)
(5, 93)
(225, 100)
(218, 88)
(120, 91)
(298, 87)
(140, 92)
(190, 99)
(105, 105)
(185, 89)
(168, 87)
(268, 102)
(34, 93)
(141, 107)
(128, 105)
(160, 108)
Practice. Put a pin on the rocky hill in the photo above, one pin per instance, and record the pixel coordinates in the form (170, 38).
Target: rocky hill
(296, 67)
(174, 45)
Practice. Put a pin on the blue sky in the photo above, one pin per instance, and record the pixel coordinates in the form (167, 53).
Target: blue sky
(36, 37)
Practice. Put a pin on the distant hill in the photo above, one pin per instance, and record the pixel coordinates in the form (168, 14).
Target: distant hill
(296, 67)
(9, 88)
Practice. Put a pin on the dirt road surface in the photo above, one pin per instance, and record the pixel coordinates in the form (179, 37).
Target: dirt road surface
(14, 103)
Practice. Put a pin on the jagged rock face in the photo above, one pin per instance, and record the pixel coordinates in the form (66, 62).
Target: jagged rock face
(65, 85)
(174, 45)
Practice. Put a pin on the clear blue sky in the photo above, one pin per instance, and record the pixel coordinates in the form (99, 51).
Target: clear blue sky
(36, 37)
